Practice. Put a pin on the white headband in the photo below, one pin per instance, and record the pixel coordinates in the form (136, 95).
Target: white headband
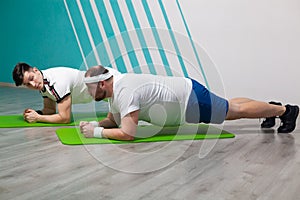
(95, 79)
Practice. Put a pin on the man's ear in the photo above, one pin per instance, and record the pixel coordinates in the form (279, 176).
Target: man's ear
(35, 69)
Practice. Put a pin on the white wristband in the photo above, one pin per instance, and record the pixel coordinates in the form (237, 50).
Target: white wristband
(94, 123)
(98, 132)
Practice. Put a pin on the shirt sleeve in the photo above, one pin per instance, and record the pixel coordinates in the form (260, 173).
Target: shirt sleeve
(60, 91)
(130, 105)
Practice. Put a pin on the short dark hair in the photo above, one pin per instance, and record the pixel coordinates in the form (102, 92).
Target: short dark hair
(95, 71)
(18, 73)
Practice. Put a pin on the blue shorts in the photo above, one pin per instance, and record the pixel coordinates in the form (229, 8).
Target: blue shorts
(204, 106)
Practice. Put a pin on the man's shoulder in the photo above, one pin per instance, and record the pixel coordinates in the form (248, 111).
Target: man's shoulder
(62, 72)
(63, 76)
(60, 68)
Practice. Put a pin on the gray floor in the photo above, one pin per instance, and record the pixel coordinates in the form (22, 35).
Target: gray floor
(253, 165)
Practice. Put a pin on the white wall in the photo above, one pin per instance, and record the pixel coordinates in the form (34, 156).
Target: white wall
(255, 45)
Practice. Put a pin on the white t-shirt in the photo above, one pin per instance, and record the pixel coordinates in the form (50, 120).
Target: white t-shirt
(160, 100)
(60, 82)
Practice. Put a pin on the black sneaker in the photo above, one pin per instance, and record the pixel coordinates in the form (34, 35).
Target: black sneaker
(269, 122)
(288, 119)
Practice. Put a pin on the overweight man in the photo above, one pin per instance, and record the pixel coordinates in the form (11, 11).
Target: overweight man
(168, 101)
(59, 86)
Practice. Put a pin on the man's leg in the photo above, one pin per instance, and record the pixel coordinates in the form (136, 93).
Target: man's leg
(248, 108)
(269, 122)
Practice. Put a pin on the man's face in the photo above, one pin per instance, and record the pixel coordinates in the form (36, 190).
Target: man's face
(96, 91)
(33, 79)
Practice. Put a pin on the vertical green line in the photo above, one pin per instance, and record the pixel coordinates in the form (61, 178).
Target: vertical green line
(126, 39)
(157, 38)
(111, 36)
(173, 39)
(96, 34)
(140, 37)
(193, 45)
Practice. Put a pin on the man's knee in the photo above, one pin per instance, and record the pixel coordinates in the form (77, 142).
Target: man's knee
(235, 111)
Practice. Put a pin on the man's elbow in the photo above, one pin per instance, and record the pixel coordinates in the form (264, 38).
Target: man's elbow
(125, 136)
(65, 120)
(129, 138)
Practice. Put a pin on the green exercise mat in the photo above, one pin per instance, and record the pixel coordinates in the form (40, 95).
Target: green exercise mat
(72, 136)
(17, 121)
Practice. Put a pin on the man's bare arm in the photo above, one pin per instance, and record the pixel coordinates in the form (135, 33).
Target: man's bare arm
(126, 132)
(108, 122)
(63, 115)
(128, 128)
(49, 107)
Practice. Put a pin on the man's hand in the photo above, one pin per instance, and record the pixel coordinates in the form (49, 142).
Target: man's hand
(87, 129)
(30, 115)
(82, 124)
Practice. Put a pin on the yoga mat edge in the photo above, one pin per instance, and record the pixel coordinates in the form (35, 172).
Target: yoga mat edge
(72, 136)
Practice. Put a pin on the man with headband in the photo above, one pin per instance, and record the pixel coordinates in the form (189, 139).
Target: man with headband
(168, 101)
(59, 85)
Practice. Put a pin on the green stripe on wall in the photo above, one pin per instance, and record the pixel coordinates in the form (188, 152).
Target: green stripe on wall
(157, 38)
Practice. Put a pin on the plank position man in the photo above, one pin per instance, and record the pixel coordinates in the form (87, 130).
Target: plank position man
(169, 101)
(59, 86)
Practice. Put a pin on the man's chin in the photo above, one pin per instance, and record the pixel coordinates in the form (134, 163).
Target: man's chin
(99, 99)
